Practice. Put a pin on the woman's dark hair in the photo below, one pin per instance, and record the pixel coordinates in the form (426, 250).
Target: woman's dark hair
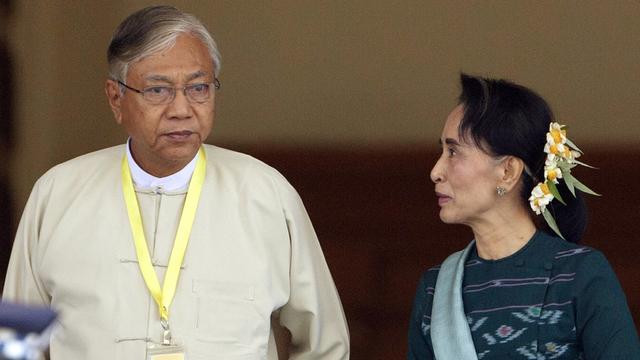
(503, 118)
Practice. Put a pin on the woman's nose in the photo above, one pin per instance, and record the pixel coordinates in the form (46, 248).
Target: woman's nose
(436, 172)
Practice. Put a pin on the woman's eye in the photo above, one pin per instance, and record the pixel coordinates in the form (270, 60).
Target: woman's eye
(451, 152)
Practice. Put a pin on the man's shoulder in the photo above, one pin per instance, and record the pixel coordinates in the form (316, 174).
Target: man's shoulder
(218, 154)
(231, 160)
(87, 165)
(96, 158)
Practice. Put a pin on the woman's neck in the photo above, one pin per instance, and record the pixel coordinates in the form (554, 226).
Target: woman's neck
(502, 235)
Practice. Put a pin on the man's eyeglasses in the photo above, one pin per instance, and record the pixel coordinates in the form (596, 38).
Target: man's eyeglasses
(198, 93)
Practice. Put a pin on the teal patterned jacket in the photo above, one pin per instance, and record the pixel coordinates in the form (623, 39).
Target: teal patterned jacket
(550, 300)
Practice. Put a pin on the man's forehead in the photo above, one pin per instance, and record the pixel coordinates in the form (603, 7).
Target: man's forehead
(186, 59)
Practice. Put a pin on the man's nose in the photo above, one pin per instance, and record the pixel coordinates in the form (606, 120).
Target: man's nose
(180, 106)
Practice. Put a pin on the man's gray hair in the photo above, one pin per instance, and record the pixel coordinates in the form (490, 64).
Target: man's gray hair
(151, 30)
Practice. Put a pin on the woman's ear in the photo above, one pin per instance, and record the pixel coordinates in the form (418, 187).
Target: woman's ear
(511, 168)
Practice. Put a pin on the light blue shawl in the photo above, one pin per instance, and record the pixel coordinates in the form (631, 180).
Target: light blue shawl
(450, 333)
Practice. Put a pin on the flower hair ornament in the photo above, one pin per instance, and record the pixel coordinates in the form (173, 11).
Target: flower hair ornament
(562, 156)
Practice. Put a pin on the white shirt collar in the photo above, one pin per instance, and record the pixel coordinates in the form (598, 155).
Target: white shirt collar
(173, 182)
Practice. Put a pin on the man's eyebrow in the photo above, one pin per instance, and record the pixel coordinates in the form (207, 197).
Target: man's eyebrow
(162, 78)
(197, 74)
(158, 78)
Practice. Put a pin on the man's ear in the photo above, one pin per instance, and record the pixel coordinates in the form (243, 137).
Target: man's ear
(512, 168)
(114, 96)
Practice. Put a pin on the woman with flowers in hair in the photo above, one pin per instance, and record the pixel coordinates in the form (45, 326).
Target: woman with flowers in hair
(523, 288)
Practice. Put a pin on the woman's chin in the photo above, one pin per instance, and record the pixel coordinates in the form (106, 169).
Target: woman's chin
(445, 218)
(448, 218)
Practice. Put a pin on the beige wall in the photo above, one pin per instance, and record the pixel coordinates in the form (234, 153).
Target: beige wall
(357, 73)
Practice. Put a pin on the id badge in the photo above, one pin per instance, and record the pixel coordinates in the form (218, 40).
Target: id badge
(165, 352)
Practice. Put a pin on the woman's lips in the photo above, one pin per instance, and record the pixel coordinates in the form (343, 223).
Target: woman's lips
(442, 198)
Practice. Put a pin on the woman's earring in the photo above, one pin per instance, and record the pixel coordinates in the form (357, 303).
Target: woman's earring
(501, 191)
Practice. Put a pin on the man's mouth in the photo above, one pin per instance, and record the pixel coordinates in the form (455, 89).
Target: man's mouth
(179, 135)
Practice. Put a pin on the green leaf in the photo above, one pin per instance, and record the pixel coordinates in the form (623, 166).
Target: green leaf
(552, 222)
(565, 166)
(569, 179)
(571, 144)
(554, 191)
(583, 164)
(582, 187)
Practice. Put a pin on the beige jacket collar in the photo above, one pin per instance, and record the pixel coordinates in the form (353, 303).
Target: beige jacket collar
(173, 182)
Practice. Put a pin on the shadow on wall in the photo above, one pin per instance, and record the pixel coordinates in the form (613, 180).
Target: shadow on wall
(6, 127)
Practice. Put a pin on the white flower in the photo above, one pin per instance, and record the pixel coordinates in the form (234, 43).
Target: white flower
(540, 198)
(570, 155)
(555, 149)
(561, 158)
(556, 134)
(551, 171)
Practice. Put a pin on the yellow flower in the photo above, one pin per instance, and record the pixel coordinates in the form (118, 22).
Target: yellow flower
(540, 198)
(556, 133)
(551, 171)
(554, 149)
(556, 142)
(545, 189)
(561, 158)
(569, 155)
(553, 175)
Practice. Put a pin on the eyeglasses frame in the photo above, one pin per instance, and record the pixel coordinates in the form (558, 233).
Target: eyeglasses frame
(216, 85)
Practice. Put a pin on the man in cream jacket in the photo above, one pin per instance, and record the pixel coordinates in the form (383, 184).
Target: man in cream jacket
(166, 248)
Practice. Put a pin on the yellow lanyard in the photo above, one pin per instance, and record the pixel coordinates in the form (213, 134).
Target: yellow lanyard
(164, 296)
